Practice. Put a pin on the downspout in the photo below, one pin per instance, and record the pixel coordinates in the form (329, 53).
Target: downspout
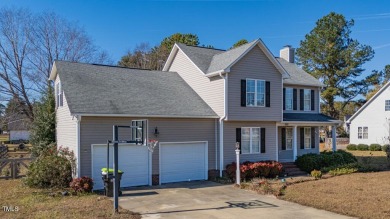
(78, 171)
(221, 124)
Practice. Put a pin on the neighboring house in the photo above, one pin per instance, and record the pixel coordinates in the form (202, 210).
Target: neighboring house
(371, 123)
(202, 103)
(18, 128)
(346, 124)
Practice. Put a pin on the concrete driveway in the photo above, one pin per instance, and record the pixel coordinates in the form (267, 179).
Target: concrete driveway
(204, 199)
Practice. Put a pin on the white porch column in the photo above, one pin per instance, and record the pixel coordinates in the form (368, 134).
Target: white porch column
(295, 143)
(334, 138)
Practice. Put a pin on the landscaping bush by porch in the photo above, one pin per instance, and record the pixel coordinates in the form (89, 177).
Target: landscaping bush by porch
(310, 162)
(250, 170)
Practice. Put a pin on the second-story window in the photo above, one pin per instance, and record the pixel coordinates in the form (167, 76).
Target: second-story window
(255, 92)
(307, 100)
(59, 95)
(289, 99)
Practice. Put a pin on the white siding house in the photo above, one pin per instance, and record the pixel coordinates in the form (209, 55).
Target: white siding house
(371, 123)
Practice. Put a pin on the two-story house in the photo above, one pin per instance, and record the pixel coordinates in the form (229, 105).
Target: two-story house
(202, 103)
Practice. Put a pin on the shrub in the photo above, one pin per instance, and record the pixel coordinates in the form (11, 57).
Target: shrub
(375, 147)
(52, 169)
(317, 174)
(342, 171)
(362, 147)
(352, 147)
(309, 162)
(83, 184)
(386, 148)
(249, 170)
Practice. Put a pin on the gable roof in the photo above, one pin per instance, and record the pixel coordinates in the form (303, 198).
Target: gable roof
(109, 90)
(212, 62)
(369, 101)
(297, 75)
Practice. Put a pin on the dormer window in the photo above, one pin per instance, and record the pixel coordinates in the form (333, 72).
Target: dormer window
(59, 95)
(255, 92)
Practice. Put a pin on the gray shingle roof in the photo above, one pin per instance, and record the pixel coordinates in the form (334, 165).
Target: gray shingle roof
(297, 75)
(307, 117)
(223, 60)
(98, 89)
(199, 55)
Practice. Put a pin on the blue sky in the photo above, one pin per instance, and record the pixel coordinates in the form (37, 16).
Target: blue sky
(117, 26)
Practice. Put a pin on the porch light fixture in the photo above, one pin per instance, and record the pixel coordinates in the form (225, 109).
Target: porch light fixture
(156, 132)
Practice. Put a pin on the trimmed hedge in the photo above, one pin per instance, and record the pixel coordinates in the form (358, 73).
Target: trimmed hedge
(310, 162)
(249, 170)
(375, 147)
(352, 147)
(362, 147)
(386, 148)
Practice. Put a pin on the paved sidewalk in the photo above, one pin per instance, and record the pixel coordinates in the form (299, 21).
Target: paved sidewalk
(205, 199)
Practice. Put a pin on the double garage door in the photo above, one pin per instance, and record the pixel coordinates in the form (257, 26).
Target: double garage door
(179, 161)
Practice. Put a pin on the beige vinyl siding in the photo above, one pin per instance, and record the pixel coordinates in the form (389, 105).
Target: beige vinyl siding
(230, 142)
(211, 90)
(316, 99)
(254, 65)
(97, 130)
(66, 126)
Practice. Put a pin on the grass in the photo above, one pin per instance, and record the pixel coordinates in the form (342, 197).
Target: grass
(39, 203)
(362, 195)
(376, 159)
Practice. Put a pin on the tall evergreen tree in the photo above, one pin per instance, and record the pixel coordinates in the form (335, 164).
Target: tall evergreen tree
(330, 54)
(43, 129)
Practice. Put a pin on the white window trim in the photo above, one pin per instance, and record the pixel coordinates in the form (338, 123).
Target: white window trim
(387, 105)
(59, 95)
(292, 98)
(304, 100)
(286, 138)
(250, 140)
(362, 132)
(246, 93)
(304, 138)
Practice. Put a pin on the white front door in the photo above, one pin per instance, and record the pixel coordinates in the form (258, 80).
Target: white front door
(183, 161)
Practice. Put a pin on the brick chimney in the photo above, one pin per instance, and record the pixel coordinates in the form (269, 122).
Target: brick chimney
(287, 53)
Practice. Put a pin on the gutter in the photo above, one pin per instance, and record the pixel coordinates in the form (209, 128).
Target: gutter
(221, 132)
(216, 73)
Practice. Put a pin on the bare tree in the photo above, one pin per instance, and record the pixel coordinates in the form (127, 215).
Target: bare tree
(29, 44)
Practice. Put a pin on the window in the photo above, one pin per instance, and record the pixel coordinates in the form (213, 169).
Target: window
(250, 140)
(307, 138)
(362, 132)
(289, 138)
(59, 95)
(289, 99)
(387, 105)
(255, 92)
(307, 99)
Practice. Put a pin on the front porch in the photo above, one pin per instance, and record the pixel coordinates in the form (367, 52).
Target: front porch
(299, 134)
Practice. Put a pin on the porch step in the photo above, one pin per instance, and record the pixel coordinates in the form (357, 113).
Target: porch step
(290, 169)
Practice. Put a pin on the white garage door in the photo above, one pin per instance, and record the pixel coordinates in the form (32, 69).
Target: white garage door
(133, 161)
(184, 161)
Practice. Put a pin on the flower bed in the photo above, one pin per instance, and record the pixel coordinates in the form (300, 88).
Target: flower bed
(250, 170)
